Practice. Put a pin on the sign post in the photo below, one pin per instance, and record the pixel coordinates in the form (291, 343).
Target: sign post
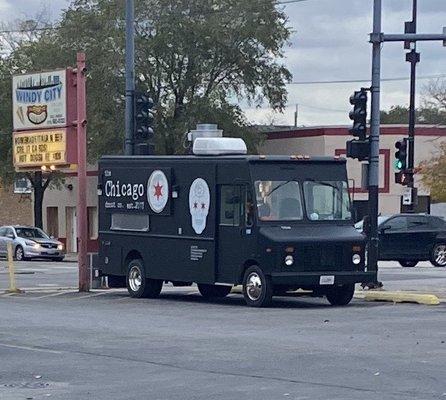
(82, 227)
(50, 129)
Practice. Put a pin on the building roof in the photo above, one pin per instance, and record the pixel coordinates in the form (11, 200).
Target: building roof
(342, 130)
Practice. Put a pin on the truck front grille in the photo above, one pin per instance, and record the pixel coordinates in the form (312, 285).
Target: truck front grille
(324, 257)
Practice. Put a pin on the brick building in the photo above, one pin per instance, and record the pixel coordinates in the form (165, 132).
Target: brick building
(16, 206)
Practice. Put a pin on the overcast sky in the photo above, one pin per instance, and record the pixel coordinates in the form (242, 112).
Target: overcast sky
(330, 42)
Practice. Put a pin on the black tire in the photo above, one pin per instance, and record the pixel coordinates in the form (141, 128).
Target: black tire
(58, 259)
(341, 295)
(438, 255)
(19, 254)
(257, 287)
(209, 291)
(408, 263)
(138, 285)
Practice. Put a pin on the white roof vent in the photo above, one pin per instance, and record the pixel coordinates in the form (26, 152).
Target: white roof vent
(218, 146)
(204, 130)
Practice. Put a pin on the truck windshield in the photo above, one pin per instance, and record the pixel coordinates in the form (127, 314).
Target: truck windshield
(327, 200)
(278, 200)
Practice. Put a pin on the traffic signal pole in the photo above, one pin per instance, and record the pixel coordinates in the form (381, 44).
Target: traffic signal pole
(413, 57)
(129, 76)
(377, 38)
(373, 184)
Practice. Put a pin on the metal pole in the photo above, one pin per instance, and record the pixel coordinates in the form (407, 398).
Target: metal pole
(413, 58)
(129, 75)
(82, 227)
(374, 137)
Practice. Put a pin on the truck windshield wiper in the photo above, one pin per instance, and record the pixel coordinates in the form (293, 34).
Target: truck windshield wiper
(277, 187)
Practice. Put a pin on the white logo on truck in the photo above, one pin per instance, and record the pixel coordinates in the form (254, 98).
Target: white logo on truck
(199, 200)
(157, 191)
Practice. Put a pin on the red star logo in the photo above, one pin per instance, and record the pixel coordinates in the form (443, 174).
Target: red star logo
(195, 205)
(158, 193)
(203, 206)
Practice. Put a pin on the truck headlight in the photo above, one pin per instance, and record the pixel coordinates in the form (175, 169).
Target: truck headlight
(289, 261)
(356, 259)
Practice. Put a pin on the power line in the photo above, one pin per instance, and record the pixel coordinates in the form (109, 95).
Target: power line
(401, 78)
(27, 30)
(323, 108)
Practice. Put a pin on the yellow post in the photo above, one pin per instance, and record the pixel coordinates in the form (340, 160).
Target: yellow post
(12, 284)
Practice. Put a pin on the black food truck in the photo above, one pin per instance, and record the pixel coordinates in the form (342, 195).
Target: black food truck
(220, 218)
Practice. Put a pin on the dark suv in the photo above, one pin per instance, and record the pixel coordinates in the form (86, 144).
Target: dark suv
(410, 238)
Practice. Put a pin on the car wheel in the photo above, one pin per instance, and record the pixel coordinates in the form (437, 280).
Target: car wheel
(438, 255)
(19, 254)
(138, 285)
(257, 287)
(209, 291)
(341, 295)
(408, 263)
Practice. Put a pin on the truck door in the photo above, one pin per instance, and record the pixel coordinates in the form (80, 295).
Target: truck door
(235, 234)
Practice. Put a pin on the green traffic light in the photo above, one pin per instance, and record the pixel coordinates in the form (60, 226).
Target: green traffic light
(398, 164)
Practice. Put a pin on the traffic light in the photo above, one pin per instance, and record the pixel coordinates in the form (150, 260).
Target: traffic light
(359, 114)
(143, 117)
(359, 148)
(401, 155)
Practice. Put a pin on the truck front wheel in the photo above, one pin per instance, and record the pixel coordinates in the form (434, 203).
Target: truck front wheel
(341, 295)
(138, 285)
(257, 287)
(208, 291)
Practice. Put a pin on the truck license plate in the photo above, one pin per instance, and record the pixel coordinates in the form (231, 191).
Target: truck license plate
(327, 280)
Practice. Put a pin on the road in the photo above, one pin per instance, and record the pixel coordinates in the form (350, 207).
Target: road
(105, 345)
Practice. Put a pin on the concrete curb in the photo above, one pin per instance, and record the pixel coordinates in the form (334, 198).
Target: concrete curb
(400, 297)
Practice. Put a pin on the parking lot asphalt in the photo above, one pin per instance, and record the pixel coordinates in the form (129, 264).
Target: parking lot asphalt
(105, 345)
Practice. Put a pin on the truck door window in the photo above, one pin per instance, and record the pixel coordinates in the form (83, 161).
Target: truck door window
(278, 200)
(231, 206)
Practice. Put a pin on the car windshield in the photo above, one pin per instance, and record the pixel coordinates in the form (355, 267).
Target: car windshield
(31, 233)
(327, 200)
(278, 200)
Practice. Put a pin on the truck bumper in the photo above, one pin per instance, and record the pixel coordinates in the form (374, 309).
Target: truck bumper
(305, 279)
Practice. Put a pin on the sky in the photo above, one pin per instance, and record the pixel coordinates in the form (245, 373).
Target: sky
(329, 42)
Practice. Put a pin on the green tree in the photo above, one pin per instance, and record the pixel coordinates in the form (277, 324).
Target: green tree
(195, 58)
(434, 175)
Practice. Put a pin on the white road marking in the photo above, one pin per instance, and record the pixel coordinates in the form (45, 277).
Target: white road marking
(56, 294)
(13, 346)
(95, 294)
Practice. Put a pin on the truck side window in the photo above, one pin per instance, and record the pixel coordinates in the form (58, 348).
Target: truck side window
(230, 205)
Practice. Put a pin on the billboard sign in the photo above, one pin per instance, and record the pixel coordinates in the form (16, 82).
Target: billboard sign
(44, 147)
(40, 100)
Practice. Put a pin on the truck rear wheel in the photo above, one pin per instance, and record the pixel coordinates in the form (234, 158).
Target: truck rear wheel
(257, 287)
(341, 295)
(209, 291)
(138, 285)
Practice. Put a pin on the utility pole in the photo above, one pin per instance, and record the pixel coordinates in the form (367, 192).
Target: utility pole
(129, 76)
(377, 38)
(82, 223)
